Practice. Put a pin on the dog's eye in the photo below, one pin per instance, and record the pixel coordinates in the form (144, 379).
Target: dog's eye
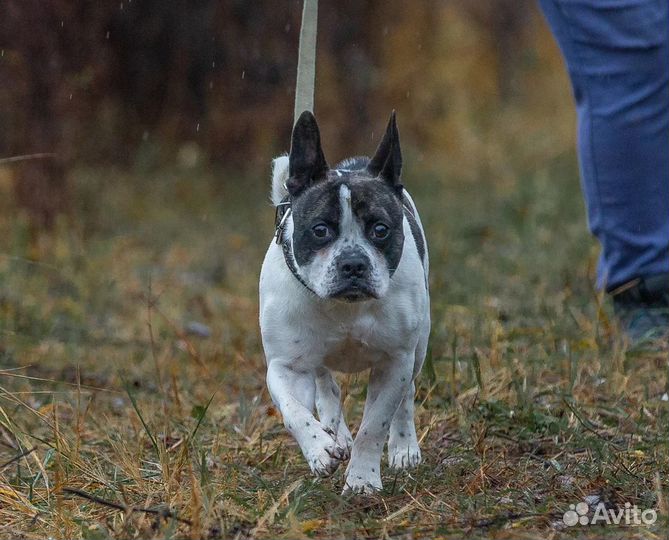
(321, 231)
(380, 231)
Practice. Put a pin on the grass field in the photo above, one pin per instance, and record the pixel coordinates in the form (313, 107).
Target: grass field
(529, 400)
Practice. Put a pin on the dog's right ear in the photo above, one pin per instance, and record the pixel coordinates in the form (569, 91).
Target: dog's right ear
(306, 163)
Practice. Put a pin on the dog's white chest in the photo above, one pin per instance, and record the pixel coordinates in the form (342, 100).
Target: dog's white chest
(353, 346)
(351, 356)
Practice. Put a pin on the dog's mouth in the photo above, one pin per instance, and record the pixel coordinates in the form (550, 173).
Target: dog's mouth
(354, 291)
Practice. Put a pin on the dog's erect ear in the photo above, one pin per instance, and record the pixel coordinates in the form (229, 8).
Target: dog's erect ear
(306, 163)
(387, 161)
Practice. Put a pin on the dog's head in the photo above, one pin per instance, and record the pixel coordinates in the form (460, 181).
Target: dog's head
(347, 233)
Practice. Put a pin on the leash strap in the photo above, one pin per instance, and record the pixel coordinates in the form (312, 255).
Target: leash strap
(304, 101)
(306, 60)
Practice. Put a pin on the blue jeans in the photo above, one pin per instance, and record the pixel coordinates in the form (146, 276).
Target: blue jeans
(617, 55)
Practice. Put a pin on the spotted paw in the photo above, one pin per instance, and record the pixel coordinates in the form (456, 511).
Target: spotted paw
(343, 438)
(360, 484)
(326, 455)
(403, 456)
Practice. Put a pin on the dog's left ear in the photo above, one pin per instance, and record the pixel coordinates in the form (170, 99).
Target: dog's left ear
(387, 160)
(306, 163)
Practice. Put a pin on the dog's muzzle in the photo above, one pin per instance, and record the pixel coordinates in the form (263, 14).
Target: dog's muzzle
(353, 271)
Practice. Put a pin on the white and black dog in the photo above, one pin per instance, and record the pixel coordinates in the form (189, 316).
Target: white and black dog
(344, 287)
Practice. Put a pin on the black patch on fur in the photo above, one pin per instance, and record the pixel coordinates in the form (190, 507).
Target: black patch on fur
(360, 163)
(417, 235)
(372, 200)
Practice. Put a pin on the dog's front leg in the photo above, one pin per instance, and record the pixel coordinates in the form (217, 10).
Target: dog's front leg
(330, 408)
(293, 392)
(388, 384)
(403, 449)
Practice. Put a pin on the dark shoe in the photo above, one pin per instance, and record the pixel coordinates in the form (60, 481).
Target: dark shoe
(642, 307)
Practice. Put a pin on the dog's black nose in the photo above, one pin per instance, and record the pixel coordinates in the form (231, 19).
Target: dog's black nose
(353, 267)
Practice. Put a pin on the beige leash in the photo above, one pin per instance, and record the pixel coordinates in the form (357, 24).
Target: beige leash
(306, 60)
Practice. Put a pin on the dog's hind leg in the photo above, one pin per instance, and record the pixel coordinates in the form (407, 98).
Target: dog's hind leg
(330, 408)
(403, 449)
(293, 392)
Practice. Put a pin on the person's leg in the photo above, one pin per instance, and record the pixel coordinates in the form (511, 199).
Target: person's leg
(617, 55)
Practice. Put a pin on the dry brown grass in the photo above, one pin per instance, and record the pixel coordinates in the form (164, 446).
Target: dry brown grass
(529, 400)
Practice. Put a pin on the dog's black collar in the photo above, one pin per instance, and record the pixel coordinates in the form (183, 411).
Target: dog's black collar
(283, 210)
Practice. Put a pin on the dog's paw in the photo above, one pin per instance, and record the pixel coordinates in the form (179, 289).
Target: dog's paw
(403, 456)
(326, 455)
(361, 484)
(343, 438)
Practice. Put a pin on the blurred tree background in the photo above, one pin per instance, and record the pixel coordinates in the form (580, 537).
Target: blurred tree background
(212, 82)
